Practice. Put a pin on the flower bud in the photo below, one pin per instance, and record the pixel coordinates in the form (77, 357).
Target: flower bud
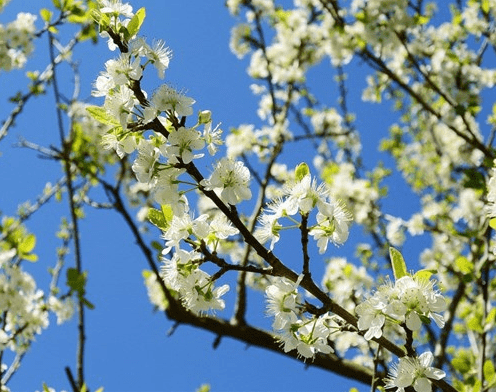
(204, 117)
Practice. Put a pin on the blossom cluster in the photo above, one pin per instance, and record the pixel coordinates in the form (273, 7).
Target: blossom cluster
(408, 301)
(302, 196)
(16, 43)
(308, 336)
(162, 157)
(181, 271)
(26, 306)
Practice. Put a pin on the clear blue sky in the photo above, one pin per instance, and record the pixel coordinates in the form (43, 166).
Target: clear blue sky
(127, 347)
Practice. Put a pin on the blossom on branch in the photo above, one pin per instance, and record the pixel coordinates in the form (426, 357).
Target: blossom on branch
(410, 300)
(414, 372)
(333, 221)
(232, 178)
(167, 98)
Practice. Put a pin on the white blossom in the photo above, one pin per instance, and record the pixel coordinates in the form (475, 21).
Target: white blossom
(168, 99)
(232, 179)
(414, 372)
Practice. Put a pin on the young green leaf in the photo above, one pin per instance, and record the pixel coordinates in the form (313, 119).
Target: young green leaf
(27, 244)
(101, 115)
(88, 304)
(46, 14)
(398, 263)
(135, 23)
(157, 218)
(489, 372)
(301, 171)
(76, 281)
(492, 223)
(424, 274)
(168, 213)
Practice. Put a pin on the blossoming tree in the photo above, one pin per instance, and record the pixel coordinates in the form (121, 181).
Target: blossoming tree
(208, 235)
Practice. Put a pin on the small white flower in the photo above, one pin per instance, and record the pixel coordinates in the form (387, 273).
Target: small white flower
(212, 137)
(371, 316)
(144, 164)
(414, 372)
(160, 56)
(333, 222)
(269, 230)
(232, 178)
(116, 7)
(183, 142)
(308, 337)
(168, 99)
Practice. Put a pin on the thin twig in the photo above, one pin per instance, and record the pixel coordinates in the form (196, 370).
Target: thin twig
(66, 151)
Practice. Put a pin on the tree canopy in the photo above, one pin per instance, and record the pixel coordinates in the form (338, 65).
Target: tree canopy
(296, 215)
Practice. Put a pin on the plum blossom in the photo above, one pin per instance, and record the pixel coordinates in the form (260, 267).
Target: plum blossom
(333, 218)
(371, 316)
(143, 166)
(183, 142)
(406, 302)
(212, 137)
(16, 43)
(420, 299)
(414, 372)
(167, 98)
(308, 337)
(116, 7)
(194, 286)
(232, 178)
(282, 300)
(333, 221)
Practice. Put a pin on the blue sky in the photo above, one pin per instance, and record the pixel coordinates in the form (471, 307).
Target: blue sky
(128, 348)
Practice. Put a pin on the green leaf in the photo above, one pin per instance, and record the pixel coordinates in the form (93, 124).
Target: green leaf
(157, 218)
(485, 6)
(158, 246)
(87, 303)
(490, 319)
(301, 171)
(76, 281)
(464, 265)
(30, 257)
(204, 388)
(398, 263)
(27, 244)
(425, 320)
(135, 23)
(46, 14)
(475, 323)
(161, 218)
(462, 364)
(168, 213)
(489, 372)
(492, 223)
(101, 115)
(424, 274)
(421, 19)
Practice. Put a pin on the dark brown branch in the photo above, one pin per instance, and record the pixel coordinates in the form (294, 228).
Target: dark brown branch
(262, 339)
